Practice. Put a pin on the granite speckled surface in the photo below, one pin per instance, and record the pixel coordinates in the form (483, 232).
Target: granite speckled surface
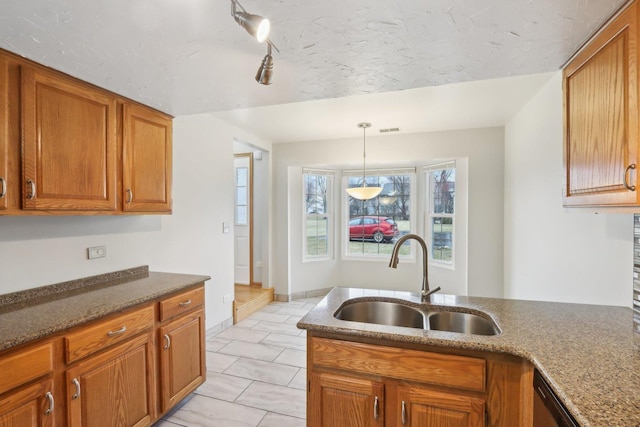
(585, 352)
(32, 314)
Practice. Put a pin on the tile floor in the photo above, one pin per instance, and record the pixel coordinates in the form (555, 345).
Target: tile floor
(256, 373)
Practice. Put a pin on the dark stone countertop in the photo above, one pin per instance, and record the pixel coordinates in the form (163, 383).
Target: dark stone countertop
(585, 352)
(36, 313)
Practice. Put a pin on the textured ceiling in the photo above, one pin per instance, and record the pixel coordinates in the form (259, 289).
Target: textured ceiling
(189, 56)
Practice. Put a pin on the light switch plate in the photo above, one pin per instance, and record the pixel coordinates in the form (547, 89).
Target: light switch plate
(96, 252)
(226, 228)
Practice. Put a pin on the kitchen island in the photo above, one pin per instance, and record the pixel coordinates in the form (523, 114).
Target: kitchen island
(585, 352)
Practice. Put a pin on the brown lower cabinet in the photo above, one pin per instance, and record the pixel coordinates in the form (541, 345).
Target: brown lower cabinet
(125, 370)
(372, 383)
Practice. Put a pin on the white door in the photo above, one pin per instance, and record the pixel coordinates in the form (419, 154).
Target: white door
(242, 231)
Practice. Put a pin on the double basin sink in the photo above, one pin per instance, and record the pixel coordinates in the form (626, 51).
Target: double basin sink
(424, 316)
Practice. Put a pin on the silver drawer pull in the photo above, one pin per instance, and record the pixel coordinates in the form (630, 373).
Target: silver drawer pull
(3, 187)
(117, 331)
(32, 193)
(185, 303)
(376, 408)
(49, 410)
(76, 383)
(404, 413)
(626, 172)
(168, 340)
(129, 195)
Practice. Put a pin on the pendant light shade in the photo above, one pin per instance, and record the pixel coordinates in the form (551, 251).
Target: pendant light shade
(364, 192)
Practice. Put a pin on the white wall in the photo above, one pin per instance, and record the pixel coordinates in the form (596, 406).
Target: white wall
(554, 254)
(484, 149)
(36, 251)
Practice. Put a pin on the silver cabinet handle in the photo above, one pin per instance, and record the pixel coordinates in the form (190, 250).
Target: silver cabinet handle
(117, 331)
(3, 183)
(626, 172)
(51, 403)
(184, 303)
(168, 340)
(376, 408)
(32, 194)
(129, 195)
(404, 413)
(76, 383)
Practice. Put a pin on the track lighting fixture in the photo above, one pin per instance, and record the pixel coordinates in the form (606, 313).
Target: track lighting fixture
(264, 76)
(255, 25)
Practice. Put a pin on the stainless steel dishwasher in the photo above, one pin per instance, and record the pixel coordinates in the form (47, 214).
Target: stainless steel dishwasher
(548, 411)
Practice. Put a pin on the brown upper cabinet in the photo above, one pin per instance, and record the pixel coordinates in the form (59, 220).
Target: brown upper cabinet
(4, 132)
(601, 118)
(70, 148)
(147, 159)
(69, 144)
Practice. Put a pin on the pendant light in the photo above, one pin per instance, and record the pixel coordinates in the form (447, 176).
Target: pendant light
(364, 192)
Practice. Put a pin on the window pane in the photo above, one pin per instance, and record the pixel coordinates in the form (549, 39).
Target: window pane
(374, 225)
(441, 238)
(241, 177)
(316, 193)
(241, 196)
(317, 234)
(443, 191)
(241, 215)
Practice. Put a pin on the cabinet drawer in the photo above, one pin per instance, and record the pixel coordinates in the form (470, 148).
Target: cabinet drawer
(181, 303)
(103, 334)
(430, 368)
(25, 365)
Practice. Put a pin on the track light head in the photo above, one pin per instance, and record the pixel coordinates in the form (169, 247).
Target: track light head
(255, 25)
(264, 76)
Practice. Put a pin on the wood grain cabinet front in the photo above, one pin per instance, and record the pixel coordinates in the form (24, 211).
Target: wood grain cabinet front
(601, 116)
(114, 388)
(341, 400)
(4, 133)
(364, 384)
(30, 406)
(146, 160)
(69, 144)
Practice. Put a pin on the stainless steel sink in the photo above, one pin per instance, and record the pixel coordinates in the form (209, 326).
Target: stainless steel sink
(397, 314)
(382, 313)
(465, 323)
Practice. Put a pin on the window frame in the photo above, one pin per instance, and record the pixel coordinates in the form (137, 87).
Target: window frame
(344, 204)
(430, 214)
(328, 215)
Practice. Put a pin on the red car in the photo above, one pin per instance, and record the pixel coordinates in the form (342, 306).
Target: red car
(379, 228)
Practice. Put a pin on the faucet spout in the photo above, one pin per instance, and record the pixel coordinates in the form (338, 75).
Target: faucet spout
(393, 263)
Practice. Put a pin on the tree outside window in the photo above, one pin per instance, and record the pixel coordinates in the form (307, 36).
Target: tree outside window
(317, 221)
(441, 212)
(374, 225)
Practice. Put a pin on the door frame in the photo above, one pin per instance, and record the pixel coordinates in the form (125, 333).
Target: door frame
(250, 213)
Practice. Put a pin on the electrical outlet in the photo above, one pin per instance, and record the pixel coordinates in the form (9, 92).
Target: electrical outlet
(96, 252)
(226, 298)
(259, 264)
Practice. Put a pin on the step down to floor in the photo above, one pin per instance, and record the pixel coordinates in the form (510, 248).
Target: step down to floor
(248, 300)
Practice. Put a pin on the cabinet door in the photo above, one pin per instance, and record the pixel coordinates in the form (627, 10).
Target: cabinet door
(182, 358)
(4, 132)
(418, 407)
(114, 388)
(336, 400)
(69, 144)
(147, 160)
(601, 118)
(31, 406)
